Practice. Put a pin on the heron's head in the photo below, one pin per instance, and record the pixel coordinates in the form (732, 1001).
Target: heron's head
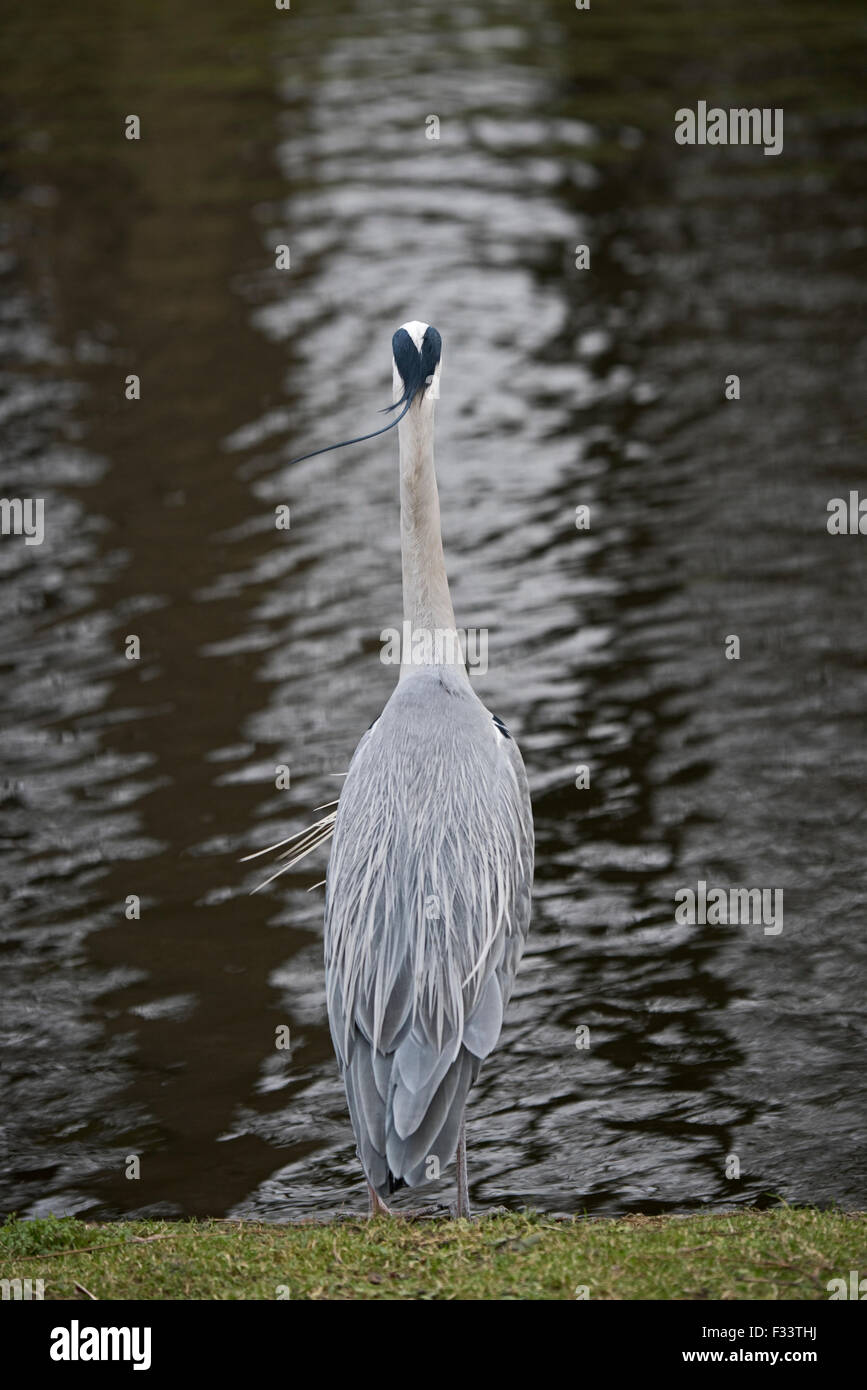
(416, 359)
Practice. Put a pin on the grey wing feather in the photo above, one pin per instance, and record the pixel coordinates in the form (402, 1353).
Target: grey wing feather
(368, 1115)
(482, 1028)
(437, 1133)
(427, 910)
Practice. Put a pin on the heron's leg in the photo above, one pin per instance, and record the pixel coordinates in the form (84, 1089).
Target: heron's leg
(377, 1205)
(463, 1186)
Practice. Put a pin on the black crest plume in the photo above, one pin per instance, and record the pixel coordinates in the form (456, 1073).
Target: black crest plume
(416, 368)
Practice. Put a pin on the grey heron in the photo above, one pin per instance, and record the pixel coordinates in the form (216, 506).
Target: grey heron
(428, 887)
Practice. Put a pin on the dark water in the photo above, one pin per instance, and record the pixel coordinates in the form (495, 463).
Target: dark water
(260, 647)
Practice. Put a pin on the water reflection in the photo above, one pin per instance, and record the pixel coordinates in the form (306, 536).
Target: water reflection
(260, 647)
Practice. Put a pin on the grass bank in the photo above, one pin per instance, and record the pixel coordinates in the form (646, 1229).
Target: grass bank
(782, 1253)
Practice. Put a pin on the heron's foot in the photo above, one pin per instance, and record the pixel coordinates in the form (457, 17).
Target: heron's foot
(377, 1205)
(423, 1213)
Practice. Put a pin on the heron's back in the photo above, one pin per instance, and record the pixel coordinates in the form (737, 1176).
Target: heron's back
(427, 909)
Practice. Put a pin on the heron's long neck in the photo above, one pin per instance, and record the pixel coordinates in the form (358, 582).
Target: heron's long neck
(427, 604)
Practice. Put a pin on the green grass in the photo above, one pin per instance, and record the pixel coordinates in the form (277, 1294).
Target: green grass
(783, 1253)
